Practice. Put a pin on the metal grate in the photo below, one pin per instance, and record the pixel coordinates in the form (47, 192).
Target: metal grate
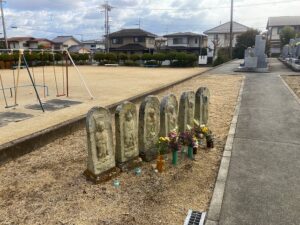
(195, 218)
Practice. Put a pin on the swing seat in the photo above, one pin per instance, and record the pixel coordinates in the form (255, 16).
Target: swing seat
(60, 95)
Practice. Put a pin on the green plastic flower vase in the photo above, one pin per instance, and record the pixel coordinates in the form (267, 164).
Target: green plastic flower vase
(174, 157)
(190, 152)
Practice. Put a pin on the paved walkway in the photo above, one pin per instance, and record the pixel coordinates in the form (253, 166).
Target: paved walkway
(263, 183)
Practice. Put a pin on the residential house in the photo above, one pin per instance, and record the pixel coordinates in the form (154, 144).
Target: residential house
(29, 43)
(186, 41)
(132, 41)
(274, 27)
(220, 36)
(64, 42)
(79, 49)
(94, 45)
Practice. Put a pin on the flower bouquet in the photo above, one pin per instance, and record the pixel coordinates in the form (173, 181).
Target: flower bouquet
(174, 145)
(162, 146)
(187, 139)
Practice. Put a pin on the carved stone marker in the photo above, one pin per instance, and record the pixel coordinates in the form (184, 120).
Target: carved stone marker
(101, 155)
(186, 110)
(127, 151)
(202, 104)
(149, 127)
(168, 114)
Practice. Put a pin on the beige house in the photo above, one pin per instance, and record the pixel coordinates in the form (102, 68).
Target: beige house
(132, 41)
(186, 41)
(274, 27)
(64, 42)
(220, 36)
(29, 43)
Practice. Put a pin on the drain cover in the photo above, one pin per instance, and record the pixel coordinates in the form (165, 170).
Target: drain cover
(195, 218)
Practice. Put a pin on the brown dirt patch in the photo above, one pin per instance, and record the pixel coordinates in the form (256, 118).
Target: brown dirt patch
(294, 83)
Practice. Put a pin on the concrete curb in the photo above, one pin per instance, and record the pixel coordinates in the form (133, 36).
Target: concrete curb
(290, 89)
(214, 211)
(16, 148)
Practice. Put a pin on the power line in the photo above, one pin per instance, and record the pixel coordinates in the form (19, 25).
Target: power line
(207, 8)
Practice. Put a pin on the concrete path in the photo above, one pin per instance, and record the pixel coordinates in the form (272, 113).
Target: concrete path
(263, 183)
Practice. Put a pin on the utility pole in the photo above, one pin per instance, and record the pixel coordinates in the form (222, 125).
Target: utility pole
(3, 24)
(231, 27)
(107, 8)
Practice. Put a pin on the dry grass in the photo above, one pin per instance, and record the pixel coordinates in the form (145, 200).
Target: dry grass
(294, 83)
(47, 186)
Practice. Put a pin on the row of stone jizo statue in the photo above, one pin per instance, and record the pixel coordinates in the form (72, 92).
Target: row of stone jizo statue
(137, 133)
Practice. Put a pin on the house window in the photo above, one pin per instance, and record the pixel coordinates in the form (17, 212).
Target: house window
(117, 41)
(25, 45)
(216, 36)
(177, 41)
(93, 46)
(279, 29)
(139, 39)
(196, 40)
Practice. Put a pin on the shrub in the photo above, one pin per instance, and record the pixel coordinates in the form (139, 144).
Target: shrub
(147, 57)
(99, 56)
(159, 57)
(122, 56)
(134, 57)
(131, 63)
(111, 57)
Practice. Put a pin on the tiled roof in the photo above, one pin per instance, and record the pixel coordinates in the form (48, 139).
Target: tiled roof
(183, 34)
(225, 28)
(132, 33)
(20, 38)
(62, 39)
(283, 21)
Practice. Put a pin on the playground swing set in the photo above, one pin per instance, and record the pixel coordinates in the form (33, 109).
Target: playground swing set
(31, 73)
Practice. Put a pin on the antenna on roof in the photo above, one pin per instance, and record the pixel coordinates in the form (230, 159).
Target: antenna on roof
(139, 23)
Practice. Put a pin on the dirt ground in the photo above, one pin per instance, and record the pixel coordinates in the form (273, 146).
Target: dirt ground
(47, 186)
(103, 82)
(108, 85)
(294, 83)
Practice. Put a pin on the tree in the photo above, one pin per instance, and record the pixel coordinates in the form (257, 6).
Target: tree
(216, 44)
(286, 34)
(243, 41)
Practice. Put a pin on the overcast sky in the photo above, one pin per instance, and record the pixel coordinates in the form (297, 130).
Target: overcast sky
(84, 19)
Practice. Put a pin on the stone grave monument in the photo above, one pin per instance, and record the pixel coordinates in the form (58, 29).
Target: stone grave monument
(101, 155)
(126, 131)
(168, 114)
(201, 105)
(255, 58)
(186, 111)
(149, 127)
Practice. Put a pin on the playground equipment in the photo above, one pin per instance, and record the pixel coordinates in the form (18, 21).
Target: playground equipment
(40, 58)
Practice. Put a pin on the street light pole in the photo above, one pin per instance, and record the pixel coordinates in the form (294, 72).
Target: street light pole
(231, 28)
(3, 24)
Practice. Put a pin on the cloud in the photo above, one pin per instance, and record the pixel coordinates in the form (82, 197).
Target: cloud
(49, 18)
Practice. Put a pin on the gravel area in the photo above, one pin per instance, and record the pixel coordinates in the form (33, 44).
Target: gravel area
(294, 83)
(48, 187)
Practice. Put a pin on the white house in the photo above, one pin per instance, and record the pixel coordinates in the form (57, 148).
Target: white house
(220, 35)
(186, 41)
(28, 43)
(94, 45)
(64, 42)
(274, 27)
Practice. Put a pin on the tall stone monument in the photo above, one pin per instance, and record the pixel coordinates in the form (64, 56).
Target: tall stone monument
(255, 58)
(202, 105)
(168, 114)
(186, 111)
(127, 151)
(101, 155)
(149, 127)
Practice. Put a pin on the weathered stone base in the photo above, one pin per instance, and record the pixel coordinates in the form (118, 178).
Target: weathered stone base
(149, 156)
(253, 70)
(131, 164)
(105, 176)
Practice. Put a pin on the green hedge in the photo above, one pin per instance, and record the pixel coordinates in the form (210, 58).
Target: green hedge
(177, 59)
